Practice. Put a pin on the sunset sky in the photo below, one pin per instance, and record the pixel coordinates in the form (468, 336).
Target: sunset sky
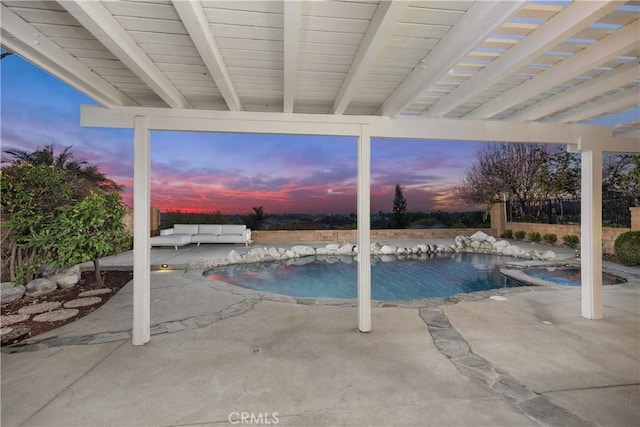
(232, 173)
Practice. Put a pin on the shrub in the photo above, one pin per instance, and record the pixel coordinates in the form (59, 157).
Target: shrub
(519, 235)
(534, 236)
(507, 234)
(627, 248)
(571, 240)
(550, 238)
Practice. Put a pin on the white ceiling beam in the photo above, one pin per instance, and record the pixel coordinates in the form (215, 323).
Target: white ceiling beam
(604, 83)
(292, 26)
(606, 104)
(607, 145)
(327, 124)
(104, 27)
(195, 20)
(22, 38)
(568, 22)
(615, 44)
(482, 18)
(380, 29)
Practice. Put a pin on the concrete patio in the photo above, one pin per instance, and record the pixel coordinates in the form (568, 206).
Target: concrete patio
(218, 351)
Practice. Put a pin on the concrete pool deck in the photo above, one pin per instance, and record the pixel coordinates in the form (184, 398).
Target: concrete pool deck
(218, 351)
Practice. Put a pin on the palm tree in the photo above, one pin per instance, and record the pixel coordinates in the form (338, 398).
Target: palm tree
(65, 160)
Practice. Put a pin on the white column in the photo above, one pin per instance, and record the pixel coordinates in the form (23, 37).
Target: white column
(591, 234)
(141, 230)
(364, 226)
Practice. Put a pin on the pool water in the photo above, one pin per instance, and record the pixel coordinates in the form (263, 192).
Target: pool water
(567, 276)
(438, 276)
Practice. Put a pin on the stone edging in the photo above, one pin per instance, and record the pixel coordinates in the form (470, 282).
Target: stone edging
(453, 345)
(478, 242)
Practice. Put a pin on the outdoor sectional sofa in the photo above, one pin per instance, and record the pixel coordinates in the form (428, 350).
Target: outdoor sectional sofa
(184, 234)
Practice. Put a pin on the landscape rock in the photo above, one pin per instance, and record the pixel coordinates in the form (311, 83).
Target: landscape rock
(290, 254)
(500, 245)
(10, 293)
(388, 250)
(255, 255)
(276, 253)
(332, 248)
(345, 249)
(82, 302)
(57, 315)
(548, 255)
(375, 248)
(38, 287)
(66, 278)
(479, 236)
(40, 308)
(303, 250)
(511, 250)
(234, 257)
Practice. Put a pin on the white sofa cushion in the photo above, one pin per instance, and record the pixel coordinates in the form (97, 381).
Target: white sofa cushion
(233, 229)
(185, 228)
(209, 229)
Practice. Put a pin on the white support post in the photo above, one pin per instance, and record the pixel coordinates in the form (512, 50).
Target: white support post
(591, 234)
(141, 229)
(364, 226)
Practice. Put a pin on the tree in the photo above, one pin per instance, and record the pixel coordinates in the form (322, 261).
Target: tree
(77, 170)
(254, 220)
(621, 177)
(399, 209)
(89, 230)
(37, 188)
(31, 197)
(504, 171)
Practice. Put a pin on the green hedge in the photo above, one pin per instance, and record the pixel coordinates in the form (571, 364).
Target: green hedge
(627, 248)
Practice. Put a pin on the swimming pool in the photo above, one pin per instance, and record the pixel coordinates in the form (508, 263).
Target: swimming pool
(438, 276)
(567, 276)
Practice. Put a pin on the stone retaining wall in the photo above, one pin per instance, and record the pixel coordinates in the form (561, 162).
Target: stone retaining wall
(339, 236)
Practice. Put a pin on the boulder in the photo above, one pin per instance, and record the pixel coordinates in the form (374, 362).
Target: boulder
(277, 253)
(346, 249)
(290, 254)
(375, 248)
(500, 246)
(332, 248)
(479, 236)
(322, 251)
(38, 287)
(10, 292)
(255, 255)
(66, 278)
(548, 256)
(459, 241)
(511, 250)
(234, 257)
(388, 250)
(303, 250)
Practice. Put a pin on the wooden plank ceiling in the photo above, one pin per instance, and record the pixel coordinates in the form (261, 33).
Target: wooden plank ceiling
(556, 61)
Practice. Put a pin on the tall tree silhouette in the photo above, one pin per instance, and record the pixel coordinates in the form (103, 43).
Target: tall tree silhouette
(399, 209)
